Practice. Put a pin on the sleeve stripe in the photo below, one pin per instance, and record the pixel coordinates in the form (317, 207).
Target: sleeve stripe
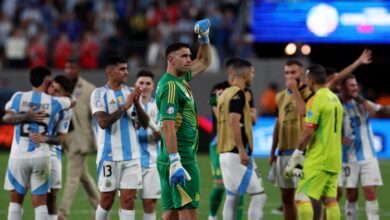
(310, 125)
(171, 92)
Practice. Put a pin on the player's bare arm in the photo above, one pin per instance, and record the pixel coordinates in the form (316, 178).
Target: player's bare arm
(37, 138)
(305, 138)
(292, 84)
(236, 131)
(169, 131)
(364, 58)
(203, 57)
(275, 140)
(30, 116)
(384, 110)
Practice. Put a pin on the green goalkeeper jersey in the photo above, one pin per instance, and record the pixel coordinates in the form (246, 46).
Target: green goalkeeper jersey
(175, 102)
(324, 113)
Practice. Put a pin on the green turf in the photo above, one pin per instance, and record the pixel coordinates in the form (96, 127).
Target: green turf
(81, 209)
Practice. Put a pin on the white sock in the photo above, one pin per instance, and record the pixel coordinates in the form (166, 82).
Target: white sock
(229, 208)
(256, 205)
(212, 217)
(15, 211)
(101, 214)
(53, 217)
(41, 212)
(125, 214)
(149, 216)
(372, 210)
(351, 210)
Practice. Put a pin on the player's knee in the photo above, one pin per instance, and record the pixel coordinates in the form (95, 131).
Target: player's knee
(369, 192)
(127, 201)
(106, 202)
(352, 195)
(288, 197)
(149, 205)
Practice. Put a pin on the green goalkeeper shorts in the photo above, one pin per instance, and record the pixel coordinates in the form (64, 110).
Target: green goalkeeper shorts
(177, 197)
(318, 183)
(214, 160)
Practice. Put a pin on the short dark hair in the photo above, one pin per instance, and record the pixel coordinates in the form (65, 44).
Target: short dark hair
(38, 75)
(237, 63)
(64, 82)
(317, 73)
(294, 62)
(72, 60)
(114, 60)
(348, 77)
(146, 73)
(174, 47)
(330, 71)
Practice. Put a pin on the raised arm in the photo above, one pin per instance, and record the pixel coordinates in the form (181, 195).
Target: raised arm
(364, 58)
(203, 57)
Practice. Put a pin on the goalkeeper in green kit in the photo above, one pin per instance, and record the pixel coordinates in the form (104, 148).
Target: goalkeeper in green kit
(176, 163)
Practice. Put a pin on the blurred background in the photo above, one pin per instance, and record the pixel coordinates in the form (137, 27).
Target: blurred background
(267, 32)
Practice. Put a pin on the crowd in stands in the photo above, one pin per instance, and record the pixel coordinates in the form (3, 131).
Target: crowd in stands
(46, 32)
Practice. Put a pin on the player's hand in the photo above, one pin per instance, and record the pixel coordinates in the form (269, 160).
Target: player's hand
(291, 83)
(295, 161)
(132, 97)
(37, 138)
(365, 57)
(243, 157)
(177, 173)
(272, 159)
(202, 28)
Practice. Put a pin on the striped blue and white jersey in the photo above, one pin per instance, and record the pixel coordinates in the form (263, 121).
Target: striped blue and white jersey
(21, 102)
(357, 127)
(149, 145)
(62, 126)
(119, 141)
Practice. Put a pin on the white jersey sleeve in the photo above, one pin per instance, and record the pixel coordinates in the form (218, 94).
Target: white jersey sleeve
(375, 106)
(98, 103)
(13, 104)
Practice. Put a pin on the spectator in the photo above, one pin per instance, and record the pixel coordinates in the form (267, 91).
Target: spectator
(267, 103)
(89, 51)
(37, 52)
(62, 51)
(16, 49)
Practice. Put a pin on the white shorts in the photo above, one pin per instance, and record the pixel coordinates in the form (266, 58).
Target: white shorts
(280, 180)
(55, 173)
(30, 173)
(150, 184)
(340, 178)
(237, 178)
(119, 175)
(367, 171)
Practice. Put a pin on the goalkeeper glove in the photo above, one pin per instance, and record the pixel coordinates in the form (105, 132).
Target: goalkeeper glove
(294, 165)
(177, 174)
(202, 28)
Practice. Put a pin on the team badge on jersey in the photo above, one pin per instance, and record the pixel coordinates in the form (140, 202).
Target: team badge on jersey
(170, 110)
(309, 114)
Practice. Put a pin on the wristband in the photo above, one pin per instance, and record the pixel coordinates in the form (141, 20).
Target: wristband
(173, 157)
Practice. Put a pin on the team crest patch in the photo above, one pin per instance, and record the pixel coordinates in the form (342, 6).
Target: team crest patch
(108, 183)
(170, 110)
(309, 114)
